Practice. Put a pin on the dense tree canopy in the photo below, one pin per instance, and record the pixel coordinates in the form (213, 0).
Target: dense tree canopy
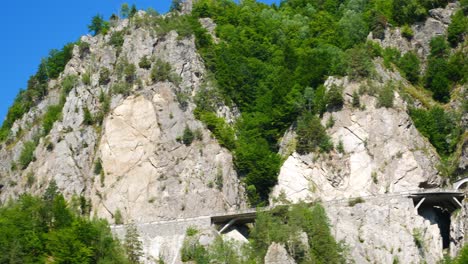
(269, 55)
(41, 230)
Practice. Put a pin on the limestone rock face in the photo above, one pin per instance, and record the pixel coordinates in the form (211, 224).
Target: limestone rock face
(435, 25)
(383, 153)
(152, 176)
(459, 229)
(148, 173)
(384, 158)
(277, 254)
(134, 158)
(385, 230)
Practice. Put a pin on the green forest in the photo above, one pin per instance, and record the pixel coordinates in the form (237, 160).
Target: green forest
(272, 61)
(49, 229)
(282, 225)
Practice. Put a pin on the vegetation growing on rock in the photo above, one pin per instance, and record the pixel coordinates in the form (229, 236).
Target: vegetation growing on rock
(303, 229)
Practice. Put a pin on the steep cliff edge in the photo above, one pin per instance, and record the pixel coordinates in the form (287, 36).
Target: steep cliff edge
(147, 172)
(129, 144)
(380, 157)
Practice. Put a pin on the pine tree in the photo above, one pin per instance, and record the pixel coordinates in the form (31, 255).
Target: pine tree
(133, 11)
(124, 10)
(51, 191)
(133, 245)
(176, 5)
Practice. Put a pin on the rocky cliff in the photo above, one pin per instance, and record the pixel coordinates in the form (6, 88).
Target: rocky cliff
(135, 165)
(147, 173)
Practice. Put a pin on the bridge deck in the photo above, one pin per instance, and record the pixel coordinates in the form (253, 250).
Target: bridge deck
(242, 216)
(450, 200)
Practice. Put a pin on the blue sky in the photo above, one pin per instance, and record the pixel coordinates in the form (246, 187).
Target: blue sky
(32, 28)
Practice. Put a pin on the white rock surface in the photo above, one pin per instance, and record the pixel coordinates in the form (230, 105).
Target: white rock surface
(382, 230)
(383, 153)
(277, 254)
(434, 25)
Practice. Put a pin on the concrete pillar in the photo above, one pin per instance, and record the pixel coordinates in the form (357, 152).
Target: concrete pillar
(230, 223)
(420, 202)
(457, 202)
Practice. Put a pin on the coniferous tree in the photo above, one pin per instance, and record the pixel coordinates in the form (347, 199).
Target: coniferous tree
(132, 244)
(124, 10)
(176, 5)
(133, 11)
(98, 25)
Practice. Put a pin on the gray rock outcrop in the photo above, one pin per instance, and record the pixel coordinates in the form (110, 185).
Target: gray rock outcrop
(435, 25)
(148, 174)
(383, 153)
(385, 229)
(136, 162)
(277, 254)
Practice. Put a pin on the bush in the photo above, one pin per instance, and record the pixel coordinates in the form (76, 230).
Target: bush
(356, 101)
(118, 219)
(52, 114)
(439, 127)
(145, 63)
(410, 66)
(104, 76)
(87, 117)
(386, 96)
(391, 56)
(84, 48)
(161, 71)
(418, 238)
(98, 25)
(458, 28)
(439, 47)
(27, 154)
(30, 179)
(193, 251)
(218, 126)
(187, 136)
(407, 32)
(86, 78)
(121, 88)
(340, 147)
(68, 84)
(130, 73)
(311, 135)
(458, 67)
(191, 231)
(334, 97)
(352, 202)
(97, 167)
(359, 63)
(437, 80)
(105, 101)
(117, 40)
